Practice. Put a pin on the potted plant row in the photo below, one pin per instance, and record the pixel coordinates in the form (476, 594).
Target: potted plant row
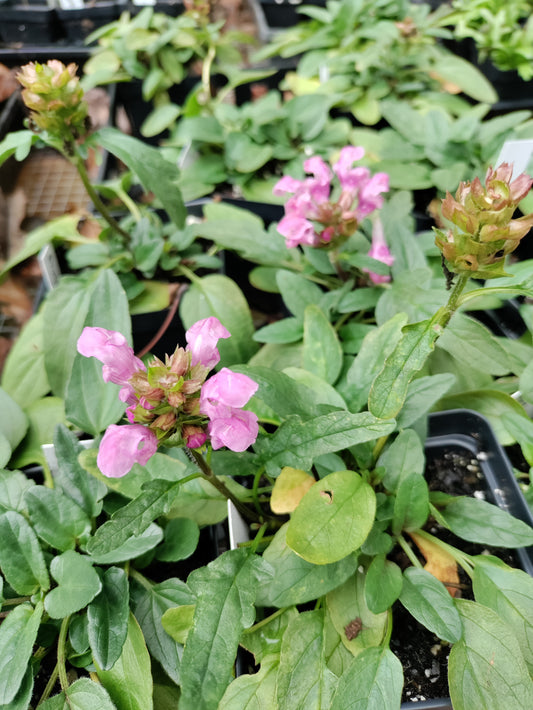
(312, 426)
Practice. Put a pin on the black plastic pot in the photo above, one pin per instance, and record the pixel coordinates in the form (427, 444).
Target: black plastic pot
(274, 15)
(29, 24)
(173, 8)
(78, 23)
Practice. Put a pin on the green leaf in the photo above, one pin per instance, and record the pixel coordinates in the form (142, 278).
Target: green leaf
(107, 617)
(134, 517)
(43, 416)
(333, 518)
(478, 521)
(156, 174)
(509, 592)
(64, 227)
(304, 681)
(383, 584)
(18, 633)
(72, 478)
(242, 231)
(64, 312)
(133, 547)
(219, 296)
(159, 119)
(287, 330)
(248, 692)
(297, 291)
(298, 442)
(430, 603)
(24, 376)
(521, 428)
(471, 342)
(57, 519)
(486, 669)
(21, 558)
(296, 581)
(375, 348)
(181, 537)
(411, 504)
(372, 682)
(13, 426)
(78, 584)
(346, 605)
(389, 389)
(177, 622)
(456, 70)
(129, 681)
(91, 403)
(23, 696)
(149, 605)
(324, 392)
(422, 394)
(225, 591)
(405, 455)
(13, 487)
(280, 392)
(322, 351)
(83, 694)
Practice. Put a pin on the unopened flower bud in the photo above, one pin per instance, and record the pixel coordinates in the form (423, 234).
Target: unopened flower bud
(164, 422)
(194, 436)
(484, 230)
(178, 362)
(53, 94)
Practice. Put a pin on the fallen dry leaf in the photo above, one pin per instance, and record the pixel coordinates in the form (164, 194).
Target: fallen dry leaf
(439, 563)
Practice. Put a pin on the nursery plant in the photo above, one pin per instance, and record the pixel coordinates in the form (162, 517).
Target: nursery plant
(316, 440)
(501, 32)
(145, 247)
(359, 53)
(177, 59)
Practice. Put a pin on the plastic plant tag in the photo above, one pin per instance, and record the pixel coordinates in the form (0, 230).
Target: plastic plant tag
(518, 153)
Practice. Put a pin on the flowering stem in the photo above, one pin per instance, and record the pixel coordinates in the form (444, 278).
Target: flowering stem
(453, 301)
(96, 200)
(61, 656)
(221, 487)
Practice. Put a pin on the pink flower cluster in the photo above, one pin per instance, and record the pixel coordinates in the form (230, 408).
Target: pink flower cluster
(171, 402)
(313, 216)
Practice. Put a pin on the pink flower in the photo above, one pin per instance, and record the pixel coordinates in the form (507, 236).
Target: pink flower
(236, 429)
(379, 251)
(312, 216)
(123, 446)
(221, 399)
(202, 339)
(350, 177)
(112, 349)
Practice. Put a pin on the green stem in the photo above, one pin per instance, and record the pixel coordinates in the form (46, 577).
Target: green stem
(221, 487)
(138, 577)
(15, 600)
(61, 654)
(454, 300)
(265, 621)
(96, 200)
(388, 630)
(206, 72)
(409, 552)
(464, 560)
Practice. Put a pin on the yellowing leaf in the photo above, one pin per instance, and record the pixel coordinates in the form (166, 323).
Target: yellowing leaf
(439, 563)
(289, 489)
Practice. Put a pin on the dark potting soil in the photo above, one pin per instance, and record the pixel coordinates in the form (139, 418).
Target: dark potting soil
(423, 655)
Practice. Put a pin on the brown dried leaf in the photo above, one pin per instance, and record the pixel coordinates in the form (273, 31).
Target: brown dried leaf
(439, 563)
